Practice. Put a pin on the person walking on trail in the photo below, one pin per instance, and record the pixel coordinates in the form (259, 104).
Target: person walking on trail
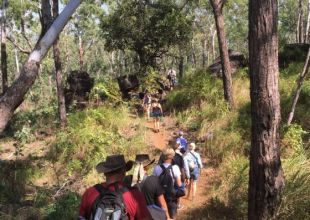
(149, 186)
(182, 142)
(111, 199)
(179, 161)
(157, 113)
(147, 101)
(193, 166)
(170, 179)
(172, 77)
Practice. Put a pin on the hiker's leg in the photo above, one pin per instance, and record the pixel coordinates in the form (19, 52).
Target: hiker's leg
(189, 186)
(194, 188)
(172, 209)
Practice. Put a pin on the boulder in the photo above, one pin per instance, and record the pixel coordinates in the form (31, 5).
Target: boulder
(78, 86)
(128, 84)
(237, 60)
(293, 53)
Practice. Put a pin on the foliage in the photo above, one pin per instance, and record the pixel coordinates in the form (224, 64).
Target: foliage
(147, 28)
(92, 135)
(66, 207)
(107, 89)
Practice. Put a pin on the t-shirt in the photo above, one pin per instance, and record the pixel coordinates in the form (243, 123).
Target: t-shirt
(133, 200)
(189, 158)
(183, 142)
(175, 169)
(151, 189)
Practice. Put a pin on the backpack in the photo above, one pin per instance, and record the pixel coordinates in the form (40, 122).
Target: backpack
(109, 205)
(166, 181)
(194, 164)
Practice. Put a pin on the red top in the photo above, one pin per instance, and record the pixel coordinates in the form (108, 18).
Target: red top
(133, 200)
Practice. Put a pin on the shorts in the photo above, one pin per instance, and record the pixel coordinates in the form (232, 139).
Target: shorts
(156, 115)
(194, 174)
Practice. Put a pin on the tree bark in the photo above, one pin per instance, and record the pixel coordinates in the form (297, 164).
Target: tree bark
(81, 53)
(217, 6)
(14, 96)
(4, 64)
(298, 88)
(58, 71)
(300, 23)
(16, 63)
(308, 24)
(266, 180)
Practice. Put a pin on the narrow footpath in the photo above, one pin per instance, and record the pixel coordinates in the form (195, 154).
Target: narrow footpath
(160, 140)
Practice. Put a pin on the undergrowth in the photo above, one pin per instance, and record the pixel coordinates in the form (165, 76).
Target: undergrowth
(224, 138)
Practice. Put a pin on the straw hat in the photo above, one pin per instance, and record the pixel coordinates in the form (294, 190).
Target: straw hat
(113, 163)
(144, 159)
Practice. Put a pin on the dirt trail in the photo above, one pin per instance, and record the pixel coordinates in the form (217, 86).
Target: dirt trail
(160, 140)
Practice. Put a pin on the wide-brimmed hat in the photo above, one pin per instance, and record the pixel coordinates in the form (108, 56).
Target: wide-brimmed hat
(144, 159)
(113, 163)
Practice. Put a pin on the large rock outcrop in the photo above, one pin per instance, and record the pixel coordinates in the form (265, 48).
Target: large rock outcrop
(237, 60)
(78, 86)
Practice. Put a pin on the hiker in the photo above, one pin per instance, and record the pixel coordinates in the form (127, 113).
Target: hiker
(111, 199)
(170, 179)
(147, 101)
(193, 166)
(179, 161)
(182, 142)
(172, 77)
(157, 113)
(150, 187)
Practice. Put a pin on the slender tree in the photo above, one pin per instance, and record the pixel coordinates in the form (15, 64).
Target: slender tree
(4, 65)
(58, 71)
(300, 81)
(14, 96)
(217, 6)
(266, 180)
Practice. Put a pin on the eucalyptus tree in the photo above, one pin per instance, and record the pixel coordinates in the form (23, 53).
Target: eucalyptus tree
(149, 28)
(266, 179)
(217, 6)
(14, 95)
(4, 68)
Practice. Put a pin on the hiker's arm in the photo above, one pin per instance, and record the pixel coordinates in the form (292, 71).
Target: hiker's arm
(199, 161)
(162, 202)
(186, 168)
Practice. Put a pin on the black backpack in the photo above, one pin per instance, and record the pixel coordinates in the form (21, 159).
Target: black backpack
(166, 181)
(109, 205)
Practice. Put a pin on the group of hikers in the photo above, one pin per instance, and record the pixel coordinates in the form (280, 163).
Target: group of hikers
(152, 102)
(144, 194)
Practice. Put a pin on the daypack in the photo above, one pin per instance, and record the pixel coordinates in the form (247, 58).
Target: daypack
(193, 164)
(166, 181)
(109, 205)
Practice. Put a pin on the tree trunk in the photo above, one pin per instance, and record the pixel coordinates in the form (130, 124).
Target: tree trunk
(217, 6)
(81, 53)
(298, 89)
(58, 70)
(14, 96)
(300, 23)
(308, 24)
(4, 64)
(266, 180)
(204, 49)
(16, 63)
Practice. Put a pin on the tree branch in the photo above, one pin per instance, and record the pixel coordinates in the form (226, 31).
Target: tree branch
(18, 46)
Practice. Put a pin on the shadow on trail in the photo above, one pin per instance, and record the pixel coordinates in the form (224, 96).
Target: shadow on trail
(213, 210)
(21, 199)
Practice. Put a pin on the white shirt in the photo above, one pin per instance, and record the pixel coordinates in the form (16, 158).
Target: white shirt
(176, 170)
